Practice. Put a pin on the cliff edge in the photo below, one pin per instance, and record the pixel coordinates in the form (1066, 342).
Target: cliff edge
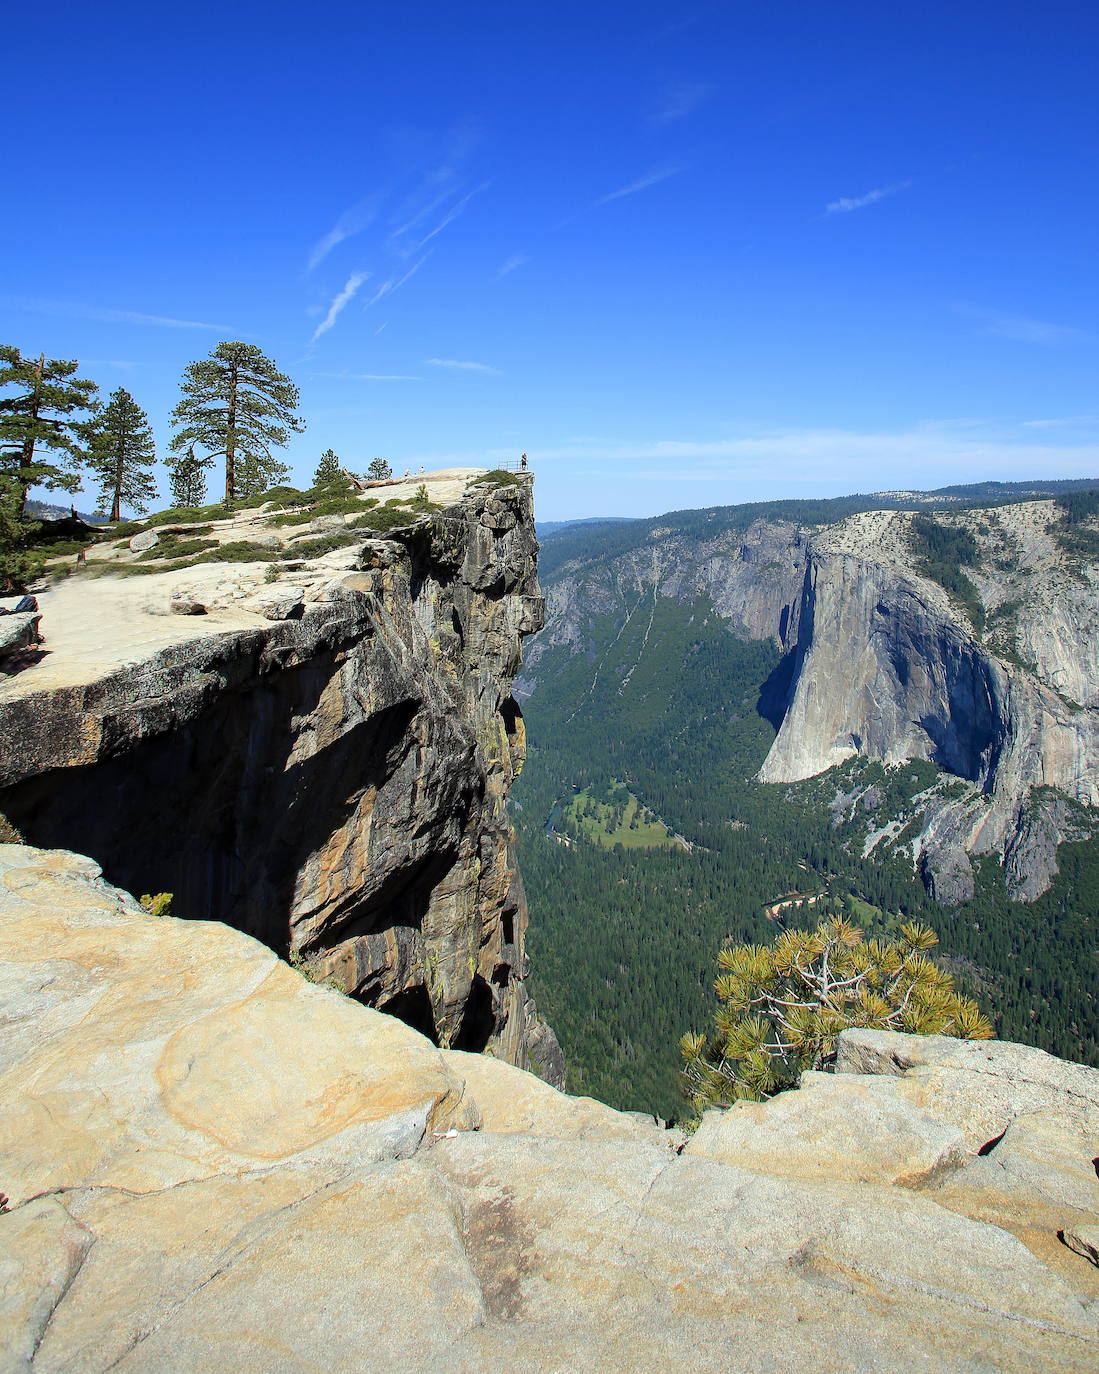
(315, 750)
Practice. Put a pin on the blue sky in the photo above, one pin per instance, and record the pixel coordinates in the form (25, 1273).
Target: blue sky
(682, 256)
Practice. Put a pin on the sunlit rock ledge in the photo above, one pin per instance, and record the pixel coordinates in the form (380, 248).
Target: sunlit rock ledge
(213, 1164)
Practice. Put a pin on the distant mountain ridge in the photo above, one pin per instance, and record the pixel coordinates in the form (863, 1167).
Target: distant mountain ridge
(46, 510)
(589, 539)
(544, 528)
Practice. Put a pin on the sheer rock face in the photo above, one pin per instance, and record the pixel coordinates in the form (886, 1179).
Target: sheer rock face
(335, 784)
(214, 1165)
(887, 666)
(753, 578)
(882, 662)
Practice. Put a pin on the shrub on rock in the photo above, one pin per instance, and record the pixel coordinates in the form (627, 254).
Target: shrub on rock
(783, 1006)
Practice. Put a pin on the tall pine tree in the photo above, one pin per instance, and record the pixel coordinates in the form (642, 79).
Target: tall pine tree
(40, 424)
(238, 405)
(120, 452)
(328, 469)
(187, 479)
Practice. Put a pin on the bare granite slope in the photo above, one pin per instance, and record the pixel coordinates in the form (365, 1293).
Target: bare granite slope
(213, 1165)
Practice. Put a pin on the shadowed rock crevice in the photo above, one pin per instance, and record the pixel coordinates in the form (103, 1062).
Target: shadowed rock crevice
(479, 1021)
(218, 812)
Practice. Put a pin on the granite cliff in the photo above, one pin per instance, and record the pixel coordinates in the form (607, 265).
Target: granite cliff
(882, 661)
(320, 759)
(1001, 693)
(211, 1164)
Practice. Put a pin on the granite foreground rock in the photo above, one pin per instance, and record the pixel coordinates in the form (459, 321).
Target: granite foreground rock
(321, 760)
(214, 1165)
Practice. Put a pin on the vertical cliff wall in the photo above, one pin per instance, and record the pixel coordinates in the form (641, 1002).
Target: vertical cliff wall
(886, 664)
(334, 784)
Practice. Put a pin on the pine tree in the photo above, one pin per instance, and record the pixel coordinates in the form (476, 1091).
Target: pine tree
(328, 469)
(783, 1006)
(41, 414)
(237, 404)
(15, 530)
(120, 450)
(256, 473)
(379, 469)
(187, 479)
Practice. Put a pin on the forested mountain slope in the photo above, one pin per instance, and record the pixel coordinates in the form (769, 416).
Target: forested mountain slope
(748, 715)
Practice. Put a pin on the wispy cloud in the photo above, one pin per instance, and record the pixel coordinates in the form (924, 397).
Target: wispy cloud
(652, 178)
(511, 264)
(345, 297)
(351, 222)
(846, 204)
(461, 366)
(369, 376)
(107, 362)
(449, 218)
(105, 315)
(1022, 328)
(1061, 422)
(429, 192)
(1032, 331)
(681, 100)
(380, 327)
(394, 284)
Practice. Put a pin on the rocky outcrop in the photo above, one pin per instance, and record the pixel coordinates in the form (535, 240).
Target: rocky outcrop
(212, 1164)
(322, 762)
(888, 666)
(19, 621)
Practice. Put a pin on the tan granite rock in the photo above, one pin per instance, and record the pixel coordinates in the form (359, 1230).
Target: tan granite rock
(512, 1101)
(977, 1085)
(218, 1168)
(142, 1052)
(836, 1126)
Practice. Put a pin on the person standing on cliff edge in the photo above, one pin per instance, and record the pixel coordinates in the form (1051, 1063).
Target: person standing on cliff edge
(523, 463)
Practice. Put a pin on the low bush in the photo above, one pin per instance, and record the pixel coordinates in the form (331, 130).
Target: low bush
(383, 519)
(125, 529)
(187, 515)
(277, 496)
(325, 543)
(332, 505)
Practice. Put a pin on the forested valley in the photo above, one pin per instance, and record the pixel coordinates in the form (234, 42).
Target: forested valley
(645, 843)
